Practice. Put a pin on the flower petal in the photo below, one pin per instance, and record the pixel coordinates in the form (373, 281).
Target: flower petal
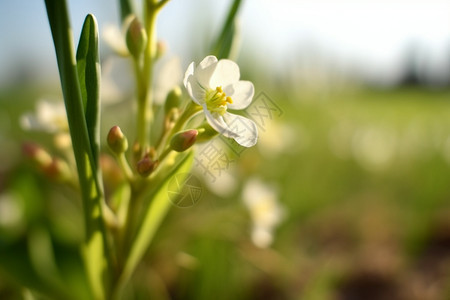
(207, 61)
(225, 73)
(191, 85)
(246, 130)
(195, 90)
(29, 122)
(189, 72)
(203, 74)
(241, 92)
(196, 80)
(169, 74)
(115, 39)
(217, 122)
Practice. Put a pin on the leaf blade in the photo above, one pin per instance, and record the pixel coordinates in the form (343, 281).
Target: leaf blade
(227, 38)
(91, 188)
(88, 69)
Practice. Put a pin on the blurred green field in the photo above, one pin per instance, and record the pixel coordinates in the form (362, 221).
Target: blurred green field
(364, 178)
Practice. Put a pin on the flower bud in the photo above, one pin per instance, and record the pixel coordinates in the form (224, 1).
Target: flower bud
(54, 168)
(58, 170)
(173, 99)
(146, 166)
(183, 140)
(136, 38)
(116, 140)
(37, 154)
(206, 133)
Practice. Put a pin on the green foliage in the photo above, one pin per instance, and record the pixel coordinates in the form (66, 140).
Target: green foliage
(157, 205)
(88, 68)
(85, 151)
(226, 40)
(32, 257)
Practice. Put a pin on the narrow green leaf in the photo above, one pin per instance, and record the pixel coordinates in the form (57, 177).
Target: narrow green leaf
(226, 40)
(91, 188)
(88, 67)
(126, 9)
(153, 216)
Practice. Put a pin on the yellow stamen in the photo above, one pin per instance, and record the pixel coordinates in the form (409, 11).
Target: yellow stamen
(216, 100)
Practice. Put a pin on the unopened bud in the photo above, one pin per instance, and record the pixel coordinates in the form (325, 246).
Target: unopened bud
(117, 141)
(146, 166)
(183, 140)
(37, 154)
(58, 170)
(161, 49)
(136, 38)
(206, 133)
(173, 99)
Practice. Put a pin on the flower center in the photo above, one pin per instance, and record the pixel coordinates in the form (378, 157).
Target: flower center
(216, 100)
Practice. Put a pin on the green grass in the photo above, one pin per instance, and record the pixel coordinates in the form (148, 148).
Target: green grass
(365, 183)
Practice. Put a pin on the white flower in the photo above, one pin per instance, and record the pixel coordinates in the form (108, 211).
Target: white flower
(49, 117)
(115, 85)
(168, 75)
(215, 85)
(265, 211)
(115, 39)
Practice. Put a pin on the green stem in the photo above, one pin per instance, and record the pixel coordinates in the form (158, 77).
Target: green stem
(141, 93)
(164, 154)
(153, 214)
(145, 78)
(191, 109)
(125, 167)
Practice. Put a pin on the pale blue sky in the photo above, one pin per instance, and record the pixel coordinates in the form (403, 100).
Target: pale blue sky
(367, 35)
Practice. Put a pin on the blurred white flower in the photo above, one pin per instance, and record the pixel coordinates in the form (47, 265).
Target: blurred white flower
(374, 148)
(265, 211)
(115, 39)
(215, 85)
(49, 117)
(280, 138)
(116, 83)
(224, 187)
(168, 71)
(168, 74)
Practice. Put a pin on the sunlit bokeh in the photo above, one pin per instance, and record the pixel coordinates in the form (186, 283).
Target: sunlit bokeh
(346, 194)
